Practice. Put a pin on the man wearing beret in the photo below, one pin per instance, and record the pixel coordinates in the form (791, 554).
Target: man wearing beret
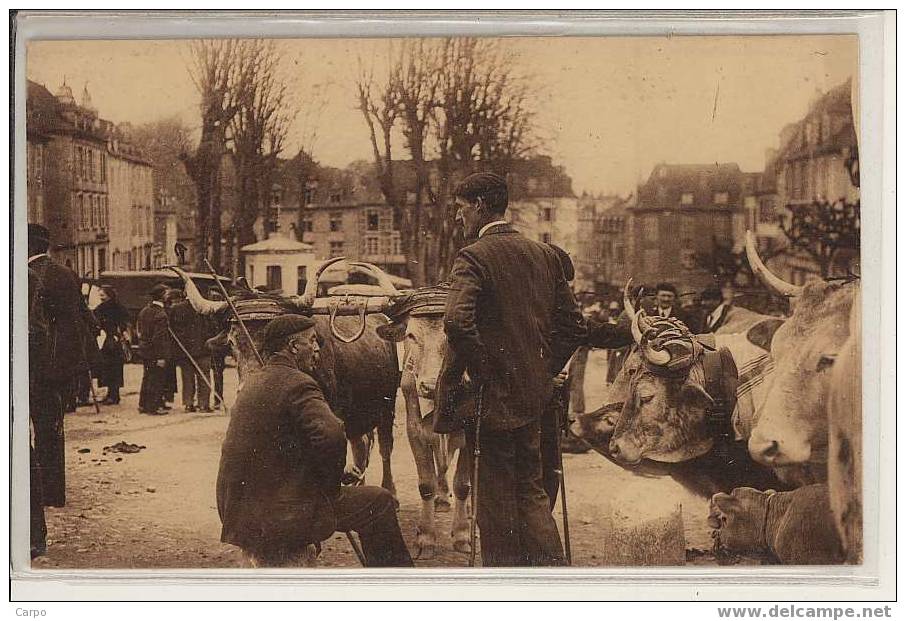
(278, 489)
(512, 322)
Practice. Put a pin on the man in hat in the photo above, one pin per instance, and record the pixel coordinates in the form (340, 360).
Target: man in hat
(154, 346)
(666, 304)
(278, 489)
(718, 306)
(55, 313)
(512, 323)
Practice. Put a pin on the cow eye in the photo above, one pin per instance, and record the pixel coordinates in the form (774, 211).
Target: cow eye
(825, 362)
(646, 398)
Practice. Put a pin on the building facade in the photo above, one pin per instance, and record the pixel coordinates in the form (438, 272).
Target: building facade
(130, 197)
(72, 153)
(682, 215)
(812, 165)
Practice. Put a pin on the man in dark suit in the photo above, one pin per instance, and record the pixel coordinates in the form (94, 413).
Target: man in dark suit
(512, 323)
(56, 298)
(278, 488)
(718, 306)
(667, 305)
(192, 330)
(154, 346)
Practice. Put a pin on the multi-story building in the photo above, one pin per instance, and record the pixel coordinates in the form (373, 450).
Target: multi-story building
(542, 204)
(72, 155)
(601, 238)
(811, 165)
(683, 213)
(130, 198)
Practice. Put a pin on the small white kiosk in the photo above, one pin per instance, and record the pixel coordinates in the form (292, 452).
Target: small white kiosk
(279, 264)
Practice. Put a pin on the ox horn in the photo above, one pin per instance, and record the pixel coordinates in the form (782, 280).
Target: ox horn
(380, 275)
(770, 280)
(202, 305)
(311, 287)
(654, 356)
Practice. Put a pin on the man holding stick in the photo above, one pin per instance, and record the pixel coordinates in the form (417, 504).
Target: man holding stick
(512, 323)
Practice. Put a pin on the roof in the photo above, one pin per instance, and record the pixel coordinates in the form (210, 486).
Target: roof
(41, 110)
(279, 244)
(668, 182)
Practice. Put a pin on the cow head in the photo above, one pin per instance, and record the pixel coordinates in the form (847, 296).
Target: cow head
(662, 391)
(738, 520)
(792, 425)
(416, 326)
(596, 427)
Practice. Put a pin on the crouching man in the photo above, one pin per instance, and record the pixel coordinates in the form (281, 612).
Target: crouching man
(278, 489)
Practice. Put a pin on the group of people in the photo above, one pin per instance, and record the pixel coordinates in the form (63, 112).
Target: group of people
(71, 346)
(171, 337)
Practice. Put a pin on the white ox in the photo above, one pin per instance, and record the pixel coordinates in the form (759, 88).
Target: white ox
(417, 328)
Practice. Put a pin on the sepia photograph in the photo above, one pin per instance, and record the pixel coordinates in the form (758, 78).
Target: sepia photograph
(444, 302)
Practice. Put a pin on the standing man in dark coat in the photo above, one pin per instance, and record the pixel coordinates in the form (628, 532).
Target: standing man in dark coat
(512, 322)
(192, 330)
(57, 297)
(667, 305)
(278, 489)
(154, 346)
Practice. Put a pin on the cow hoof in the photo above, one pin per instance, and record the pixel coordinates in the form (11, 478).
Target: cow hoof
(441, 504)
(462, 546)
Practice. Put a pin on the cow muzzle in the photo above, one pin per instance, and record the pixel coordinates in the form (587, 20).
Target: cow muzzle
(776, 452)
(625, 452)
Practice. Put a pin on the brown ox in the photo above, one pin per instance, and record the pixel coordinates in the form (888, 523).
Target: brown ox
(793, 527)
(358, 371)
(417, 328)
(792, 428)
(660, 419)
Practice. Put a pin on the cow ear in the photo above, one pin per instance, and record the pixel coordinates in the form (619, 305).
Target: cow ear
(724, 502)
(762, 333)
(695, 395)
(392, 332)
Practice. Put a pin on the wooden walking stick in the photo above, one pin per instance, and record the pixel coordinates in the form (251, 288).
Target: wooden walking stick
(476, 458)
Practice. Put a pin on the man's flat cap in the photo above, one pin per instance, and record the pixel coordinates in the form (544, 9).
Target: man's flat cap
(280, 328)
(39, 232)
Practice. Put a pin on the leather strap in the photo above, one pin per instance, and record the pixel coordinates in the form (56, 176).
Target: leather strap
(721, 380)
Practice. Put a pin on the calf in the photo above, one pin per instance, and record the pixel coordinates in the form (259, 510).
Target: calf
(420, 335)
(794, 527)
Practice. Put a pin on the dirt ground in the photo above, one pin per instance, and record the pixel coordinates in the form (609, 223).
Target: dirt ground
(156, 508)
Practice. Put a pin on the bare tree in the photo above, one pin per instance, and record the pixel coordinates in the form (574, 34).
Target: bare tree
(213, 69)
(461, 100)
(258, 131)
(824, 230)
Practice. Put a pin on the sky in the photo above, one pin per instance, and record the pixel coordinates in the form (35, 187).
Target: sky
(608, 108)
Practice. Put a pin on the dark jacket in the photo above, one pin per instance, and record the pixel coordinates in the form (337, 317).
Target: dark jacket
(154, 341)
(281, 462)
(605, 335)
(512, 322)
(192, 330)
(58, 296)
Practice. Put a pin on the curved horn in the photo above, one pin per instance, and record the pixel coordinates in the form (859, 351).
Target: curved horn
(311, 287)
(201, 304)
(628, 306)
(380, 275)
(659, 357)
(764, 274)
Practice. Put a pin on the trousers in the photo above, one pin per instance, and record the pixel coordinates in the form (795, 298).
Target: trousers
(192, 384)
(514, 516)
(154, 382)
(370, 511)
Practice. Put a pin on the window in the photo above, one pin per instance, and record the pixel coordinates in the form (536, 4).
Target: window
(91, 172)
(766, 213)
(336, 249)
(687, 228)
(687, 198)
(721, 198)
(103, 168)
(396, 244)
(649, 229)
(79, 163)
(372, 244)
(372, 220)
(83, 213)
(307, 226)
(547, 214)
(102, 261)
(336, 222)
(336, 197)
(308, 196)
(301, 279)
(274, 277)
